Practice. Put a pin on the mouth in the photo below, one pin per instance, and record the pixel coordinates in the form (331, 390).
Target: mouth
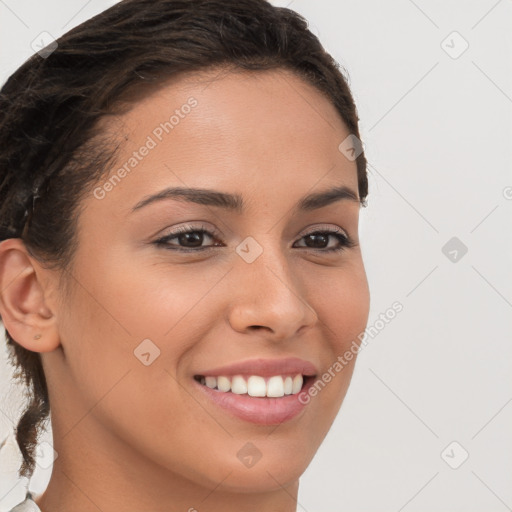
(263, 392)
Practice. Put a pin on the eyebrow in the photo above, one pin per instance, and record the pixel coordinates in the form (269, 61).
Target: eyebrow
(235, 202)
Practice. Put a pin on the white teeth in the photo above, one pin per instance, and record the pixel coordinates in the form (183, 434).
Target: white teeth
(275, 387)
(297, 384)
(288, 385)
(257, 386)
(211, 382)
(239, 386)
(223, 383)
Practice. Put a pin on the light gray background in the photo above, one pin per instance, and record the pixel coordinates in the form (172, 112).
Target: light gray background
(437, 133)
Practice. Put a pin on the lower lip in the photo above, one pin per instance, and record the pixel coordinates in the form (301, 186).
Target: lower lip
(258, 410)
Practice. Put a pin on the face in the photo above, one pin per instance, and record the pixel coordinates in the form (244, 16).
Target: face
(169, 289)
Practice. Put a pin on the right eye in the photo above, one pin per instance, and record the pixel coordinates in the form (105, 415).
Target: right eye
(191, 236)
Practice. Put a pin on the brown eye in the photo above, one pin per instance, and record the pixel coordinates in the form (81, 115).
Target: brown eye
(189, 239)
(319, 240)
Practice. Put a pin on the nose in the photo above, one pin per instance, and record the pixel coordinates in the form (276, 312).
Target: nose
(268, 298)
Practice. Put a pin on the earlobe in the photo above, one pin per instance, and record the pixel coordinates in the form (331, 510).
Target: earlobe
(23, 309)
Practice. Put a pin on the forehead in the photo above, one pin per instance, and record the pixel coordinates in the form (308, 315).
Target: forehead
(265, 130)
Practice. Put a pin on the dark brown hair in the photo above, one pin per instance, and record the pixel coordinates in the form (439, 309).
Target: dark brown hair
(53, 150)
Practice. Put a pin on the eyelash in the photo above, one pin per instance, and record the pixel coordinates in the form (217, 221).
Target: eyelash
(345, 241)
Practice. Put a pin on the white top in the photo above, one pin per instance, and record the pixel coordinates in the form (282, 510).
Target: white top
(27, 505)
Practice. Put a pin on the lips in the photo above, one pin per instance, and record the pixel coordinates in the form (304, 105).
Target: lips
(268, 402)
(264, 368)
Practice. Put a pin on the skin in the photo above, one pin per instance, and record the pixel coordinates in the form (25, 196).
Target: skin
(134, 437)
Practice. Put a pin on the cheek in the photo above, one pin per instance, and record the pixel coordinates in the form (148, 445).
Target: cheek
(155, 300)
(130, 335)
(119, 303)
(341, 299)
(342, 303)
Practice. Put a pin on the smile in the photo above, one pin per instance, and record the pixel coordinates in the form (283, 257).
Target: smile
(260, 391)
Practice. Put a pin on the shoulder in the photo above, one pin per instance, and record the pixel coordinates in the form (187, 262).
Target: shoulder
(27, 505)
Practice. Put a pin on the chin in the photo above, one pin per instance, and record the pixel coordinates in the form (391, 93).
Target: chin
(263, 478)
(278, 464)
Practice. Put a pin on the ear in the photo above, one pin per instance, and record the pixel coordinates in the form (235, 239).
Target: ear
(24, 285)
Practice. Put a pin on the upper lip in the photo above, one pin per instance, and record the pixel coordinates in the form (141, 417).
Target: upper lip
(264, 368)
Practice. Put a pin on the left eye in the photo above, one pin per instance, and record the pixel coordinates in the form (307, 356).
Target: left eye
(319, 237)
(192, 239)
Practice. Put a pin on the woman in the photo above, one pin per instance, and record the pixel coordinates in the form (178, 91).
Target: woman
(180, 268)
